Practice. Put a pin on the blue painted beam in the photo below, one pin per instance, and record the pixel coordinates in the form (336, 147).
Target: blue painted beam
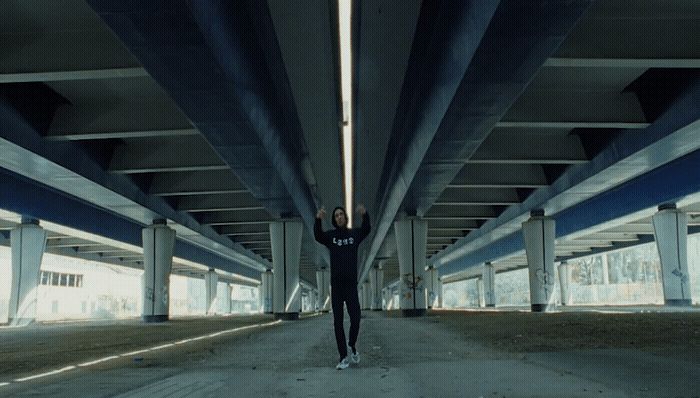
(447, 36)
(520, 38)
(668, 183)
(221, 63)
(26, 152)
(644, 239)
(631, 154)
(29, 198)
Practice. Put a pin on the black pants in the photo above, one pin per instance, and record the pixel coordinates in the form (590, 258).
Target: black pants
(347, 295)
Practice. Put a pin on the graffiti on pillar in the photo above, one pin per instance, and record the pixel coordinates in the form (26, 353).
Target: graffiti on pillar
(149, 294)
(545, 278)
(408, 281)
(164, 295)
(683, 277)
(431, 298)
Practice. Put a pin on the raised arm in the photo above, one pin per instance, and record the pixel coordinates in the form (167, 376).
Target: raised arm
(320, 236)
(365, 227)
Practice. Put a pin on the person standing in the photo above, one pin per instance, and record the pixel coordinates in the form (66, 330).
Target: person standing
(342, 242)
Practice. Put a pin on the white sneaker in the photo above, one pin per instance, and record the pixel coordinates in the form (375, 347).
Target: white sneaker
(354, 356)
(343, 364)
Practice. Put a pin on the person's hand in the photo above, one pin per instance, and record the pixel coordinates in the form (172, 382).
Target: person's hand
(361, 210)
(321, 213)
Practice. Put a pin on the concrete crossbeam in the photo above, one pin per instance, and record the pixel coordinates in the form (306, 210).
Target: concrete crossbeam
(158, 155)
(196, 183)
(54, 76)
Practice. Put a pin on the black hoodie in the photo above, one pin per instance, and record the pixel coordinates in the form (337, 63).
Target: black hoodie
(342, 244)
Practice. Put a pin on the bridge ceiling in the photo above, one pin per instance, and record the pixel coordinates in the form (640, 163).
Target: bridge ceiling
(223, 116)
(605, 81)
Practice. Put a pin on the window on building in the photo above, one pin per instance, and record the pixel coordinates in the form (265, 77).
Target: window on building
(61, 279)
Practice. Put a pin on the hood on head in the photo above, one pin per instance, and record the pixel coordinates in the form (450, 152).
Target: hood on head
(333, 216)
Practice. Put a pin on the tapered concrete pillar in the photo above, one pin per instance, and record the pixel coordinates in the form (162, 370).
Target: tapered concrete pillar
(432, 286)
(366, 301)
(304, 301)
(158, 246)
(564, 282)
(411, 240)
(266, 291)
(480, 292)
(286, 237)
(323, 284)
(489, 278)
(671, 235)
(28, 242)
(387, 298)
(376, 281)
(606, 269)
(538, 233)
(361, 295)
(229, 300)
(211, 282)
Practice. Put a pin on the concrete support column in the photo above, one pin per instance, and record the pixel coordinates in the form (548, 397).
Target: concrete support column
(376, 280)
(304, 301)
(606, 269)
(286, 237)
(411, 241)
(211, 282)
(439, 293)
(28, 242)
(360, 295)
(323, 283)
(366, 295)
(480, 291)
(387, 298)
(432, 282)
(489, 278)
(158, 246)
(564, 281)
(538, 234)
(671, 235)
(229, 300)
(266, 290)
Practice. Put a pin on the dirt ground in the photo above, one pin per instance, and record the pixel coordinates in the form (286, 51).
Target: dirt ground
(674, 335)
(41, 347)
